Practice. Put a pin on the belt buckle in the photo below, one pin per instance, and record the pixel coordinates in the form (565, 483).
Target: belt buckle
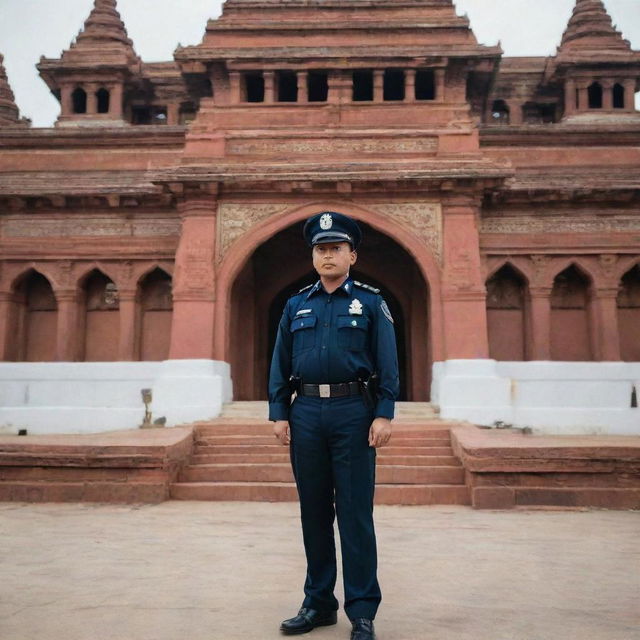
(324, 390)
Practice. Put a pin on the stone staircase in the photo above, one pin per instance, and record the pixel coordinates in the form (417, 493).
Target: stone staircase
(236, 457)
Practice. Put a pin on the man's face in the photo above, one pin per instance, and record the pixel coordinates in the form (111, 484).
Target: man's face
(332, 260)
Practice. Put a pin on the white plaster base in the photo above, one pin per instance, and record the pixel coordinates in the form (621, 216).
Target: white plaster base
(91, 397)
(549, 397)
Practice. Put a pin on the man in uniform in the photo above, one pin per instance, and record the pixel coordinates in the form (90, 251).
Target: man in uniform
(336, 351)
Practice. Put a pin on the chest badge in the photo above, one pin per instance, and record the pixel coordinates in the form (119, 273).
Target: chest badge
(355, 309)
(326, 222)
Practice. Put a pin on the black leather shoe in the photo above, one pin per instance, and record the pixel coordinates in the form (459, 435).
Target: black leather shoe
(362, 629)
(307, 620)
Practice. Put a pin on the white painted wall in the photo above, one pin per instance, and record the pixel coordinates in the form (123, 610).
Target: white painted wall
(549, 397)
(90, 397)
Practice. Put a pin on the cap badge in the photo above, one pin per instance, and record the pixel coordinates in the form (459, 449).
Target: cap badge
(356, 307)
(326, 222)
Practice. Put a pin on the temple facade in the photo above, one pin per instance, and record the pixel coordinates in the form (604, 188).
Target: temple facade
(160, 220)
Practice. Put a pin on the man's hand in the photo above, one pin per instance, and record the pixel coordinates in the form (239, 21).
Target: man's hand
(380, 432)
(281, 431)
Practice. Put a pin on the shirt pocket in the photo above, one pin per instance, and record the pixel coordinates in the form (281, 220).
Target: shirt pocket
(353, 332)
(303, 331)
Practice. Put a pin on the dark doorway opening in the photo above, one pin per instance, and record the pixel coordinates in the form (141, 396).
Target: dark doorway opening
(282, 266)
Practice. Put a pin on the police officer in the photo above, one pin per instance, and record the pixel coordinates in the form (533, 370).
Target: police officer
(336, 351)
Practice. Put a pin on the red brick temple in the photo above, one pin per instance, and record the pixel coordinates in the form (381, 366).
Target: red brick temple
(153, 235)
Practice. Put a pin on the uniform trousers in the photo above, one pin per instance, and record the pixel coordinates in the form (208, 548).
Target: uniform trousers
(334, 468)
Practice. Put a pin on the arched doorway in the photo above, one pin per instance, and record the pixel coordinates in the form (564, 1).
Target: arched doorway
(282, 265)
(506, 315)
(34, 320)
(100, 319)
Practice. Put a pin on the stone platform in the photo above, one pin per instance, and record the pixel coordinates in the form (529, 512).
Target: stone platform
(235, 457)
(135, 466)
(506, 469)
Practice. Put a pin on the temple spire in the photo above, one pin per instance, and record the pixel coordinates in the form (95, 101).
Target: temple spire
(104, 27)
(591, 29)
(9, 112)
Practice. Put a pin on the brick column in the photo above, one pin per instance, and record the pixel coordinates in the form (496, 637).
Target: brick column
(378, 85)
(234, 81)
(440, 85)
(569, 97)
(583, 96)
(173, 113)
(540, 323)
(5, 310)
(410, 85)
(629, 95)
(335, 87)
(128, 326)
(463, 291)
(269, 86)
(606, 319)
(515, 113)
(302, 80)
(116, 108)
(67, 328)
(66, 102)
(92, 99)
(607, 95)
(194, 280)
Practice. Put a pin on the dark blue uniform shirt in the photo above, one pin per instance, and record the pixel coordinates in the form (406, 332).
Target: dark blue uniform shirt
(329, 338)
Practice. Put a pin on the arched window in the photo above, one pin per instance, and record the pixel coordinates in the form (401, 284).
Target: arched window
(595, 96)
(506, 315)
(79, 99)
(101, 318)
(500, 112)
(618, 96)
(103, 98)
(629, 315)
(570, 325)
(34, 320)
(156, 308)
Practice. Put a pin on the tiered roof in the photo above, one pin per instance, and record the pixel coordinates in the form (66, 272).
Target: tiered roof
(590, 37)
(330, 30)
(9, 112)
(103, 42)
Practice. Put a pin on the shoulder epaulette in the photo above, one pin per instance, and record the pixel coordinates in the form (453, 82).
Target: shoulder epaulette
(302, 290)
(368, 287)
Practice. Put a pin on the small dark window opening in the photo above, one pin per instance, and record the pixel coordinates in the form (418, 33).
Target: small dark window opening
(548, 113)
(254, 87)
(318, 84)
(595, 96)
(287, 86)
(363, 86)
(393, 84)
(500, 112)
(103, 98)
(425, 84)
(79, 98)
(141, 115)
(618, 96)
(148, 115)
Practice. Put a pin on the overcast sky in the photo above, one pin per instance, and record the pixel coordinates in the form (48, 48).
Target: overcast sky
(31, 28)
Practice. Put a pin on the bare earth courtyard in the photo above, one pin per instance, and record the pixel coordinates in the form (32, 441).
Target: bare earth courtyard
(225, 571)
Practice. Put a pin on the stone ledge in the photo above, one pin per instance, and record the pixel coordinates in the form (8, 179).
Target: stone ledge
(506, 469)
(135, 466)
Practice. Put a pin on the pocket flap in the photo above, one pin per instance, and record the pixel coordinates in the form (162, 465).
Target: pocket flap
(353, 322)
(306, 322)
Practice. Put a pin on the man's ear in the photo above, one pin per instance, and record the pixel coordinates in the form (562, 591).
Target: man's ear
(354, 256)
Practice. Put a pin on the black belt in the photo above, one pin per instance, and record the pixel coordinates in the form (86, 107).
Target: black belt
(339, 390)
